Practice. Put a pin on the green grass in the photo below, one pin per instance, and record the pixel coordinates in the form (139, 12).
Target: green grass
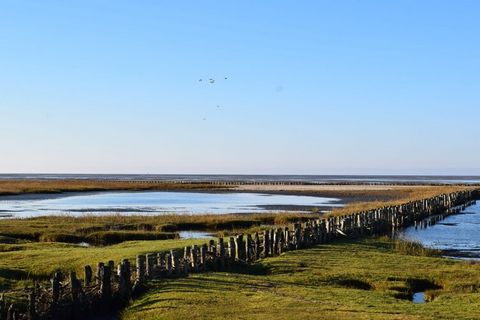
(109, 229)
(349, 280)
(20, 263)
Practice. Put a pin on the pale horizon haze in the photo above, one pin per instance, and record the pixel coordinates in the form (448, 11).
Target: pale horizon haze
(300, 87)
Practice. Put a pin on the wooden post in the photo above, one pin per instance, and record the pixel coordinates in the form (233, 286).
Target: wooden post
(286, 238)
(160, 260)
(175, 265)
(99, 273)
(203, 260)
(231, 248)
(149, 266)
(271, 248)
(266, 243)
(239, 248)
(256, 245)
(297, 236)
(75, 287)
(221, 253)
(11, 313)
(88, 276)
(55, 288)
(140, 277)
(111, 265)
(280, 243)
(125, 286)
(249, 256)
(194, 258)
(168, 264)
(106, 285)
(221, 247)
(31, 311)
(186, 253)
(2, 306)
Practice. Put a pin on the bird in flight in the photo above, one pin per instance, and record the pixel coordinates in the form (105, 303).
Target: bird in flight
(211, 80)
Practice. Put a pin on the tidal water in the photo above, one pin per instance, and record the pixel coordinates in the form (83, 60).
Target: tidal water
(377, 179)
(152, 203)
(458, 235)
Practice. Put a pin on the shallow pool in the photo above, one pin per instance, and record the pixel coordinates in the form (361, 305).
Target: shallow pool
(153, 203)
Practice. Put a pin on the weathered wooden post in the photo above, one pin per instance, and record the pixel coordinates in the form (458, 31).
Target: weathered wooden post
(55, 288)
(75, 288)
(168, 264)
(280, 243)
(149, 265)
(175, 263)
(125, 285)
(266, 243)
(111, 265)
(160, 260)
(106, 284)
(11, 313)
(212, 247)
(186, 253)
(297, 236)
(271, 248)
(194, 258)
(203, 256)
(31, 310)
(249, 256)
(221, 253)
(287, 239)
(239, 248)
(98, 277)
(256, 246)
(140, 276)
(88, 276)
(2, 306)
(231, 248)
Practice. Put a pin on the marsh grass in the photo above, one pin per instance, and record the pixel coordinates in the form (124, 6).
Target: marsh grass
(104, 229)
(15, 187)
(364, 279)
(414, 248)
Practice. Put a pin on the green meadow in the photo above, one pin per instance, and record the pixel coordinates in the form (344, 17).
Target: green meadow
(366, 279)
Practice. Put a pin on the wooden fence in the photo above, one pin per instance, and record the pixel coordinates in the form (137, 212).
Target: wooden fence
(111, 286)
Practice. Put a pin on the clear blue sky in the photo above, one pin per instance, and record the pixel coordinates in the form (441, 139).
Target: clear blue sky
(314, 87)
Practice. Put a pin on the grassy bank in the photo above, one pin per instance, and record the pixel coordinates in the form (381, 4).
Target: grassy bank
(109, 229)
(368, 279)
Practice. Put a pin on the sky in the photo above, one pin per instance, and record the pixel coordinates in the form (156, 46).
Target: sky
(313, 87)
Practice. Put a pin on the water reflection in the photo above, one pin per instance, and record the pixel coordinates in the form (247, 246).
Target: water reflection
(457, 235)
(154, 203)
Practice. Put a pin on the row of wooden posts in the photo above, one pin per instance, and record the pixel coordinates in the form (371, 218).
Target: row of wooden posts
(111, 287)
(223, 183)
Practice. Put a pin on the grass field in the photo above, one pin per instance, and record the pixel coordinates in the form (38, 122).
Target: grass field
(368, 279)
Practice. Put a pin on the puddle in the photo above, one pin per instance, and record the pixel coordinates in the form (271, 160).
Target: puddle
(418, 297)
(194, 235)
(83, 244)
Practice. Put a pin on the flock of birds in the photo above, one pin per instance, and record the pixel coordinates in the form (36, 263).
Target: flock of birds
(211, 81)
